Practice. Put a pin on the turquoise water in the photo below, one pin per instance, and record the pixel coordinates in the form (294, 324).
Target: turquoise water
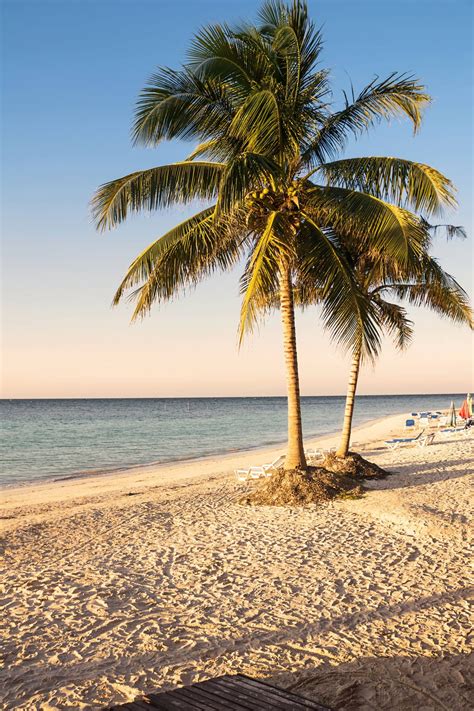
(48, 439)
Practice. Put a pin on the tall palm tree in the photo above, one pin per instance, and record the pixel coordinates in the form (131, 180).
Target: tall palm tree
(422, 283)
(260, 107)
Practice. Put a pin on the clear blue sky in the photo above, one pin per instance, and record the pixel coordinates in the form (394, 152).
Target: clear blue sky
(71, 74)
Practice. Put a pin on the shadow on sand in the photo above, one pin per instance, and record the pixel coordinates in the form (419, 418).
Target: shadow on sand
(387, 683)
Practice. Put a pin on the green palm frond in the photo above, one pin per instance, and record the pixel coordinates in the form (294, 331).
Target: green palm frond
(179, 104)
(246, 172)
(143, 266)
(215, 52)
(194, 250)
(393, 318)
(259, 282)
(257, 123)
(155, 188)
(375, 223)
(437, 290)
(398, 95)
(326, 277)
(416, 185)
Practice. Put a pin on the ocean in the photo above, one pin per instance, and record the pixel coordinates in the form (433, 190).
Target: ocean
(53, 439)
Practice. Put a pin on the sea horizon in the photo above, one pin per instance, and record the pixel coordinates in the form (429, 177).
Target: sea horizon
(224, 397)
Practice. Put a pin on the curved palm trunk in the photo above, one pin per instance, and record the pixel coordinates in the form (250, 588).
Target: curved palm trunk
(349, 410)
(295, 456)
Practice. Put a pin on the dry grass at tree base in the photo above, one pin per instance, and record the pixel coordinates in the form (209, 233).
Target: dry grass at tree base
(337, 477)
(353, 465)
(315, 485)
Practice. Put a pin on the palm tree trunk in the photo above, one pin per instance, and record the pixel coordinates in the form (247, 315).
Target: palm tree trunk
(349, 410)
(295, 458)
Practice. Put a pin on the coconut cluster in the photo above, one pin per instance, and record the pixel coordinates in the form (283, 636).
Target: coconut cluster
(261, 202)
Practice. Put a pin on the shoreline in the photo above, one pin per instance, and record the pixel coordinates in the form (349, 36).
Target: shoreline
(222, 462)
(310, 440)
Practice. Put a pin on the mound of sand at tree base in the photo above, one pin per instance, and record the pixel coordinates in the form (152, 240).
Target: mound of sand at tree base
(298, 488)
(353, 465)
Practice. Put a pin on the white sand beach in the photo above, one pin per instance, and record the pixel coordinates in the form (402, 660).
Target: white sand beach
(152, 578)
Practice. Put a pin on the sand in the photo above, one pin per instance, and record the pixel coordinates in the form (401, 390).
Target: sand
(153, 578)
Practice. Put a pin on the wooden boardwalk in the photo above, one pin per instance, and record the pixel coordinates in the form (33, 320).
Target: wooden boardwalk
(236, 693)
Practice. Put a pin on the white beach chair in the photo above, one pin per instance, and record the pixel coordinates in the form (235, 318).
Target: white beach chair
(261, 470)
(426, 441)
(242, 474)
(313, 455)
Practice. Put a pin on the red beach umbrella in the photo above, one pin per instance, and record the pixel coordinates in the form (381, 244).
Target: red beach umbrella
(464, 411)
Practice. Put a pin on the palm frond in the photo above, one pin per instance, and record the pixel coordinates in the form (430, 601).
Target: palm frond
(451, 231)
(438, 291)
(215, 52)
(374, 223)
(260, 281)
(398, 95)
(179, 104)
(143, 266)
(244, 173)
(257, 123)
(414, 185)
(155, 188)
(199, 248)
(394, 319)
(326, 277)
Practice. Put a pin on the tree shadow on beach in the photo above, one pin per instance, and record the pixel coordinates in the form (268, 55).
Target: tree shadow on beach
(394, 683)
(425, 473)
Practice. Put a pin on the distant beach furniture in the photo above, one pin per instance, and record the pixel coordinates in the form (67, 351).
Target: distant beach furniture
(409, 424)
(265, 470)
(239, 693)
(313, 455)
(455, 431)
(426, 441)
(262, 470)
(402, 441)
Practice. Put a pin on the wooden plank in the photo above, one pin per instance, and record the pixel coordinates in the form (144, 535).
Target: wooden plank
(305, 703)
(131, 706)
(216, 702)
(226, 697)
(230, 692)
(248, 697)
(266, 699)
(168, 701)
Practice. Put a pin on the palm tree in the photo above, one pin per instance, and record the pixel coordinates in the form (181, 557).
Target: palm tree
(255, 99)
(422, 283)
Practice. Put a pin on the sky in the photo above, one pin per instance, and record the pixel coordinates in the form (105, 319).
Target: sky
(71, 73)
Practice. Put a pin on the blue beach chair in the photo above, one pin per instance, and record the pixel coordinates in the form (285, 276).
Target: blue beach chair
(402, 441)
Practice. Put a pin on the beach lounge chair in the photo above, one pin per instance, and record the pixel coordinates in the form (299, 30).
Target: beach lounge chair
(261, 470)
(409, 424)
(426, 441)
(313, 454)
(242, 474)
(454, 431)
(402, 441)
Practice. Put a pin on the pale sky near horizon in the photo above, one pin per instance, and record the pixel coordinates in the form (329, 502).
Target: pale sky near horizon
(72, 71)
